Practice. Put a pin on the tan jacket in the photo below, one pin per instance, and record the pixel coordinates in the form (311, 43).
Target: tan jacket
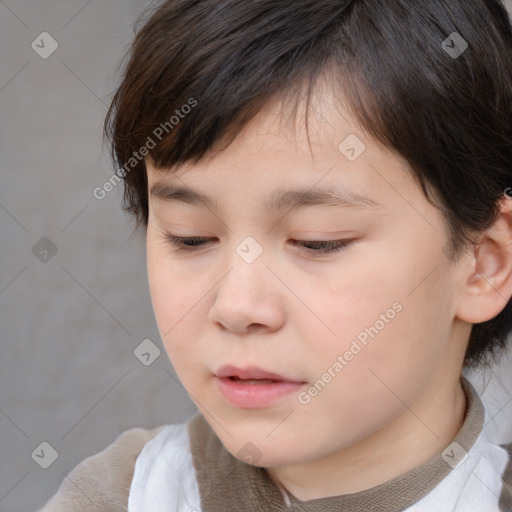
(102, 481)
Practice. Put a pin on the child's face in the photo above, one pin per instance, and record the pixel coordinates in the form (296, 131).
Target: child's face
(295, 312)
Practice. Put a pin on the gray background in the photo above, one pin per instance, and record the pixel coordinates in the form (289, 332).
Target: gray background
(70, 325)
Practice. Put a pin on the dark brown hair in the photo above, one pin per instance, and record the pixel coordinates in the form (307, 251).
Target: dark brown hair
(199, 70)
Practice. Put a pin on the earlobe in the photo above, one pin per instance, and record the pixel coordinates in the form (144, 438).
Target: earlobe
(487, 285)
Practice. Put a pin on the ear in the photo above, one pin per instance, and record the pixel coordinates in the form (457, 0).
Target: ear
(487, 280)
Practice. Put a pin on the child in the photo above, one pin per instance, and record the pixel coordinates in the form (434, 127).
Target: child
(324, 186)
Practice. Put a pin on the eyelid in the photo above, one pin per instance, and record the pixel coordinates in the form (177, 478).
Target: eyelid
(330, 246)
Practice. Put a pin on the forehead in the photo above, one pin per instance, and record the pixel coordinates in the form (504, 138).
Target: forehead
(287, 162)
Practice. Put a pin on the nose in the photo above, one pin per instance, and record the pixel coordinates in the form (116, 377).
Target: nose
(248, 298)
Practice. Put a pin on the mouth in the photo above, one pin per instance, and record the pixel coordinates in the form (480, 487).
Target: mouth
(253, 381)
(256, 393)
(254, 388)
(252, 375)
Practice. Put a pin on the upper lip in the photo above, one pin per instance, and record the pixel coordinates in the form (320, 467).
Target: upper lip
(250, 372)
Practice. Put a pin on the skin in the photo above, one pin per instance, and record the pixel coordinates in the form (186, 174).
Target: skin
(396, 404)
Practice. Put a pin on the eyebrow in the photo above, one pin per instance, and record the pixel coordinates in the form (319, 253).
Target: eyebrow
(292, 199)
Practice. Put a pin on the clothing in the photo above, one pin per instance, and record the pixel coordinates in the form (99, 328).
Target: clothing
(102, 481)
(185, 468)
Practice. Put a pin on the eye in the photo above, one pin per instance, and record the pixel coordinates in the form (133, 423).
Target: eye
(185, 243)
(324, 246)
(312, 246)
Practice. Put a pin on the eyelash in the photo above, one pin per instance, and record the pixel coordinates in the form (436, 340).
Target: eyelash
(329, 246)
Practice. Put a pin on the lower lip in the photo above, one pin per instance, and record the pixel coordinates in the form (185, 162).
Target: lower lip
(254, 396)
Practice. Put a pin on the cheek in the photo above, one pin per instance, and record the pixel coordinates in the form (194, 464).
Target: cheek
(175, 297)
(351, 298)
(380, 318)
(176, 306)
